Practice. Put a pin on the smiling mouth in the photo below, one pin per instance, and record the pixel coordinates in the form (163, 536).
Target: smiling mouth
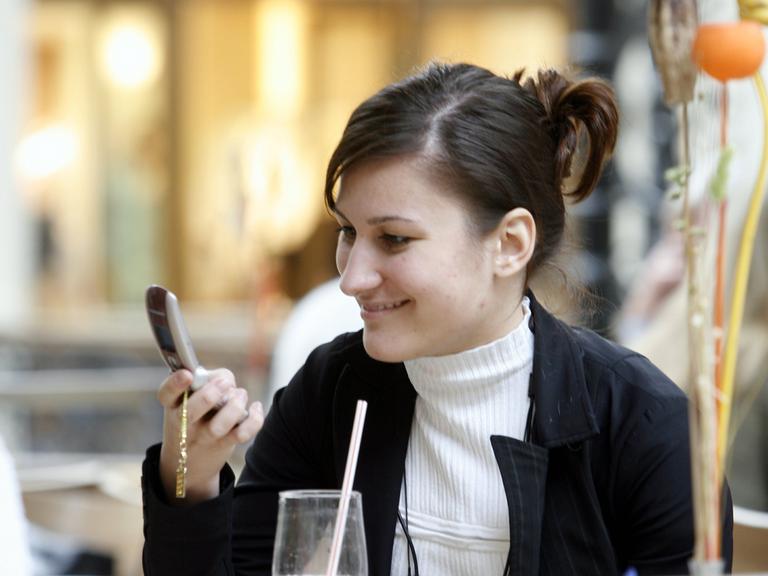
(374, 308)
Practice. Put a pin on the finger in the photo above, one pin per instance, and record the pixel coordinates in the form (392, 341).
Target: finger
(222, 375)
(210, 397)
(230, 415)
(170, 391)
(250, 426)
(213, 392)
(225, 380)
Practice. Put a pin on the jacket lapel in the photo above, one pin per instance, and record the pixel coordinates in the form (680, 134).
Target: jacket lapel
(564, 413)
(541, 478)
(383, 449)
(573, 538)
(523, 468)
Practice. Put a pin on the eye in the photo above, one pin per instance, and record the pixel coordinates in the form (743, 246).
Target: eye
(394, 240)
(347, 233)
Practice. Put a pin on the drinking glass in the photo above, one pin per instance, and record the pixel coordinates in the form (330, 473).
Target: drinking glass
(305, 525)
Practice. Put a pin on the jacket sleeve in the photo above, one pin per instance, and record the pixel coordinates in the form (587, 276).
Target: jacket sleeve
(233, 534)
(185, 540)
(290, 452)
(654, 501)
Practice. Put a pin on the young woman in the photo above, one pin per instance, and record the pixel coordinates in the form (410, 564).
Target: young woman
(498, 439)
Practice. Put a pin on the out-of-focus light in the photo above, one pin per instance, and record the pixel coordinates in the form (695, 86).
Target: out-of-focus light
(282, 37)
(46, 151)
(280, 210)
(130, 56)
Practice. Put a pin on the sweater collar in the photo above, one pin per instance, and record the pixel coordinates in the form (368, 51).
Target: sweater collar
(482, 369)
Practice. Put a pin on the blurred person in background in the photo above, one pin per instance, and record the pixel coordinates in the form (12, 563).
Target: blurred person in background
(321, 314)
(498, 439)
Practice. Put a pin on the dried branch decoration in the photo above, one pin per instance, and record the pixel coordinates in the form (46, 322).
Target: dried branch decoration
(671, 30)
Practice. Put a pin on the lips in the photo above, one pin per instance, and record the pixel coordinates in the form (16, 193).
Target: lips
(371, 310)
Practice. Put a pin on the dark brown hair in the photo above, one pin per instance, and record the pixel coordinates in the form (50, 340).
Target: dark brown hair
(500, 143)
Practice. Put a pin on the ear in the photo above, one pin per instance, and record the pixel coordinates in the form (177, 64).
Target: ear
(515, 242)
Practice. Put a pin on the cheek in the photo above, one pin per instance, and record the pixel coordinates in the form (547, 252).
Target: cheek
(467, 281)
(436, 288)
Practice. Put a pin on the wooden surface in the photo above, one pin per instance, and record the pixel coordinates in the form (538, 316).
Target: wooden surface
(750, 541)
(104, 515)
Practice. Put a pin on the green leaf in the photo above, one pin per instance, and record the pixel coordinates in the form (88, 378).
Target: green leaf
(677, 175)
(718, 184)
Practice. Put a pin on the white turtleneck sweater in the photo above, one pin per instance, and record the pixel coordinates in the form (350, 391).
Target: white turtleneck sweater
(457, 510)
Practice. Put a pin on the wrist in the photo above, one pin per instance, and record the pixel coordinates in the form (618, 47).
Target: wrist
(197, 489)
(201, 491)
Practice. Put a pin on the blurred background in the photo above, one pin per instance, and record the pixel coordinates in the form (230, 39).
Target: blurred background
(183, 142)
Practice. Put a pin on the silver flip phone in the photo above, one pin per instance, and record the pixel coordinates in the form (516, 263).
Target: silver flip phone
(171, 334)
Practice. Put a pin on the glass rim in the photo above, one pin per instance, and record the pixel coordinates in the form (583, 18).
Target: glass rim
(329, 493)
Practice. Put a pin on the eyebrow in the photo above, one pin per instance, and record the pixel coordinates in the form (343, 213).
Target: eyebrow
(378, 219)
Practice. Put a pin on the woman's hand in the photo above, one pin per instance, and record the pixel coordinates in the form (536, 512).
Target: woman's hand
(218, 417)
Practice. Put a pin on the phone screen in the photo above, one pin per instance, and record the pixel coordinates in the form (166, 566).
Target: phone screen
(158, 319)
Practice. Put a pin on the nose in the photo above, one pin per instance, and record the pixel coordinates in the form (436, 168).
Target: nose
(358, 269)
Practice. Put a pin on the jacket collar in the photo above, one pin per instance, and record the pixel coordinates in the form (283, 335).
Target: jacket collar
(563, 408)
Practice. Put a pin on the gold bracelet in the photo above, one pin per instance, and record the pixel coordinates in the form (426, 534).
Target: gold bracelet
(181, 468)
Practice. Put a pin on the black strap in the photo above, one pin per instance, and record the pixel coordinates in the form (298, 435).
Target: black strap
(508, 565)
(404, 526)
(531, 410)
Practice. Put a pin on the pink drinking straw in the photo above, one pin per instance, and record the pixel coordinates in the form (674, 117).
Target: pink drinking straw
(346, 487)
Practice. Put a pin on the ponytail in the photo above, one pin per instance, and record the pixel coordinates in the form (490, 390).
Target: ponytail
(569, 106)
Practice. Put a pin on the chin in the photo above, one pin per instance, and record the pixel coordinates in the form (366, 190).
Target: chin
(385, 349)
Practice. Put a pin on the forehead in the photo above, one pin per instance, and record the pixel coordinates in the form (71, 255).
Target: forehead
(401, 183)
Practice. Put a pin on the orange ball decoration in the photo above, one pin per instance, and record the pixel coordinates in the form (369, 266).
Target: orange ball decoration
(731, 50)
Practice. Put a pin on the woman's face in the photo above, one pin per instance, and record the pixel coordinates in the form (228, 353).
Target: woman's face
(406, 252)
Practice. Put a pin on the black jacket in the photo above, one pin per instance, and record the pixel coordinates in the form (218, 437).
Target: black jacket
(613, 428)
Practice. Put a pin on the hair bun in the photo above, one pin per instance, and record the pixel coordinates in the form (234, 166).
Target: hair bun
(569, 106)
